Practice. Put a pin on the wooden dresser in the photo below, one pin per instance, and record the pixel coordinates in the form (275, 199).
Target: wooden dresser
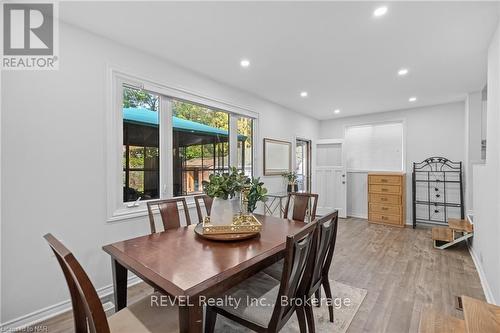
(386, 198)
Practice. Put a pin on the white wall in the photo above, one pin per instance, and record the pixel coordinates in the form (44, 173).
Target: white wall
(53, 163)
(473, 109)
(486, 187)
(430, 131)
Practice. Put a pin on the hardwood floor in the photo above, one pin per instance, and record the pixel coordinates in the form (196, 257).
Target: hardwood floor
(399, 267)
(402, 273)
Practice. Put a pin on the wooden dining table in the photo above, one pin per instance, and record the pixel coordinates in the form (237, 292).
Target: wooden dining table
(189, 268)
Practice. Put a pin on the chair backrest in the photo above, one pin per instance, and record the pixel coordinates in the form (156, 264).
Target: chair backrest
(207, 202)
(299, 254)
(169, 212)
(327, 236)
(301, 206)
(88, 313)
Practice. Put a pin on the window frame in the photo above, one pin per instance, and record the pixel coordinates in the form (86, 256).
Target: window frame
(117, 209)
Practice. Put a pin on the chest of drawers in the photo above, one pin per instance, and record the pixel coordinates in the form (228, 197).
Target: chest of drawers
(386, 198)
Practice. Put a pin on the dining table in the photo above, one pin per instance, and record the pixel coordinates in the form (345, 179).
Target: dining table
(190, 269)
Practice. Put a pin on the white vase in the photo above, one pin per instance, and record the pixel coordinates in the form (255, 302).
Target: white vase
(223, 211)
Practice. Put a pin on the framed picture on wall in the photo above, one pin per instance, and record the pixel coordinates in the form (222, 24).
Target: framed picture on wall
(277, 157)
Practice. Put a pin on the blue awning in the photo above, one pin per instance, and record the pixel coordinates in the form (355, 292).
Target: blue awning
(147, 117)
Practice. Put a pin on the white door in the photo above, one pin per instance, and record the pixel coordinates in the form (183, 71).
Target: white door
(331, 178)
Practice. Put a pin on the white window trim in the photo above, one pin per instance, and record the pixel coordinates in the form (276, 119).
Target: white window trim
(116, 209)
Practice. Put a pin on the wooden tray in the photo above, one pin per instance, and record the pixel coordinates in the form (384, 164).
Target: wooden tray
(224, 237)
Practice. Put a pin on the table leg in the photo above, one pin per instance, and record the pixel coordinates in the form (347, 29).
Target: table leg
(268, 206)
(191, 317)
(281, 208)
(119, 284)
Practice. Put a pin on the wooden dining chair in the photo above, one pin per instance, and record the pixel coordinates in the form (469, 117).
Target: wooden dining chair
(169, 212)
(144, 316)
(301, 206)
(207, 202)
(299, 254)
(327, 236)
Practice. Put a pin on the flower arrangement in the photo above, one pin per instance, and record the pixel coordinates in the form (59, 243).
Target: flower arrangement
(226, 185)
(226, 188)
(291, 177)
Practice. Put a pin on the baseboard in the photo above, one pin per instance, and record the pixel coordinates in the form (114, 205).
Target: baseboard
(51, 311)
(358, 216)
(482, 277)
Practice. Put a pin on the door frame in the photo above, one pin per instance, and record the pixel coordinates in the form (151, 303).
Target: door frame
(343, 210)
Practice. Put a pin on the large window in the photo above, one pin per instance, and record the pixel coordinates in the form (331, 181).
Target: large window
(141, 154)
(171, 145)
(245, 145)
(200, 145)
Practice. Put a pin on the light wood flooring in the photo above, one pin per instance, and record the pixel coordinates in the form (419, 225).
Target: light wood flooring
(399, 267)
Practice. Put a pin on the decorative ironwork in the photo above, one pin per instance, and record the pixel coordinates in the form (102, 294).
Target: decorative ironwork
(435, 175)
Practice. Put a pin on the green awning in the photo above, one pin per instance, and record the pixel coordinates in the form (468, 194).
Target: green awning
(145, 117)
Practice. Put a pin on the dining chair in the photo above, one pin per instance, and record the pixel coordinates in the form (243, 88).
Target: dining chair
(207, 202)
(262, 287)
(301, 206)
(169, 212)
(327, 227)
(144, 316)
(327, 237)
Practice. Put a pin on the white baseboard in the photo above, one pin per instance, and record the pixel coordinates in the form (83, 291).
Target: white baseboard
(358, 216)
(51, 311)
(482, 276)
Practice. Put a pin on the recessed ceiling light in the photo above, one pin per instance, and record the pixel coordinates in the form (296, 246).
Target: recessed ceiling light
(412, 99)
(403, 71)
(303, 94)
(245, 63)
(380, 11)
(336, 111)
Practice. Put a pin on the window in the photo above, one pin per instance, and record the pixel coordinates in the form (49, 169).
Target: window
(302, 164)
(141, 154)
(375, 147)
(172, 141)
(245, 145)
(200, 145)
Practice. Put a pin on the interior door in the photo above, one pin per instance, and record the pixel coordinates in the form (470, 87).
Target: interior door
(331, 178)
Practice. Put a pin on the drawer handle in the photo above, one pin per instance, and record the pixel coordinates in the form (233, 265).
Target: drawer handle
(383, 199)
(385, 208)
(385, 218)
(384, 189)
(383, 180)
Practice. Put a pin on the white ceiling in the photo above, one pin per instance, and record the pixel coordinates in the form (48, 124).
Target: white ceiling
(337, 51)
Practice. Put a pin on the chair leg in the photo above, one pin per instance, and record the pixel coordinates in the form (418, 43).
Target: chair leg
(310, 319)
(317, 295)
(210, 319)
(302, 319)
(328, 292)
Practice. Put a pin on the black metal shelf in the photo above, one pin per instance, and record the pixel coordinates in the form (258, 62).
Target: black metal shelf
(438, 181)
(437, 203)
(442, 167)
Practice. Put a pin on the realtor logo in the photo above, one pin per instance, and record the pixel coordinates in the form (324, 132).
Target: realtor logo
(29, 36)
